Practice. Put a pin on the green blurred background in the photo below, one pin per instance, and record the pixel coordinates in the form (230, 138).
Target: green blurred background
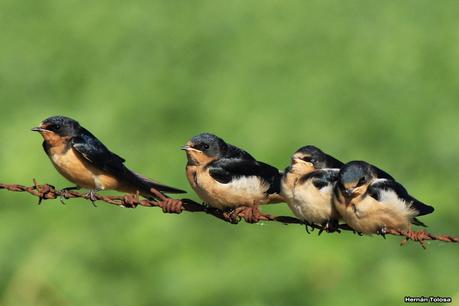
(372, 80)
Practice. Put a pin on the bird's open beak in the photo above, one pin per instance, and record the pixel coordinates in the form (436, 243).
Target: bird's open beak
(189, 148)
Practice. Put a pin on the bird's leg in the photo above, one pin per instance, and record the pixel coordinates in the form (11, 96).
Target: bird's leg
(172, 206)
(382, 231)
(307, 225)
(63, 193)
(330, 226)
(233, 215)
(92, 196)
(253, 214)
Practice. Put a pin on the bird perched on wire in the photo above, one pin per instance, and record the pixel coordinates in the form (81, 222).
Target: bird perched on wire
(85, 161)
(307, 186)
(370, 200)
(228, 178)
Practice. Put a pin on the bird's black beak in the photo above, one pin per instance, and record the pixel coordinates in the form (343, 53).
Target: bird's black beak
(189, 148)
(348, 193)
(38, 129)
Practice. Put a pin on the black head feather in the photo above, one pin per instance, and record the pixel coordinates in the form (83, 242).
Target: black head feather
(361, 172)
(318, 158)
(214, 146)
(63, 126)
(210, 144)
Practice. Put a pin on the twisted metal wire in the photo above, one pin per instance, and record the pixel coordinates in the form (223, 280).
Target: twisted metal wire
(49, 192)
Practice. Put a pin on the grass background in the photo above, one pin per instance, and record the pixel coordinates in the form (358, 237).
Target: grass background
(372, 80)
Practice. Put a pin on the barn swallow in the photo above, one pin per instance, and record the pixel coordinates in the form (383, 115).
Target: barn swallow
(228, 178)
(307, 186)
(371, 201)
(85, 161)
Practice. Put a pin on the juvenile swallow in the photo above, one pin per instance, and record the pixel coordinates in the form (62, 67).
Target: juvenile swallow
(85, 161)
(370, 200)
(307, 186)
(228, 178)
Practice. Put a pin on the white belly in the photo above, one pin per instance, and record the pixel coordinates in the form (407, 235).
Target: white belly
(369, 215)
(311, 204)
(244, 191)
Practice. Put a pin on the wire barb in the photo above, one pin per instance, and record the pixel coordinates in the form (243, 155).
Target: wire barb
(170, 205)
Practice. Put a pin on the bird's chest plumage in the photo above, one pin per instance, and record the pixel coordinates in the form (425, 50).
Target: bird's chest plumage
(367, 215)
(289, 180)
(310, 203)
(71, 166)
(243, 191)
(74, 168)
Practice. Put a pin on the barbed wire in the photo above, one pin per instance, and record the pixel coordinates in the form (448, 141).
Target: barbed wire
(170, 205)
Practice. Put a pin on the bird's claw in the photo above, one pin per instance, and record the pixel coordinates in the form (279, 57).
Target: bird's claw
(232, 216)
(253, 214)
(306, 227)
(92, 196)
(330, 226)
(382, 231)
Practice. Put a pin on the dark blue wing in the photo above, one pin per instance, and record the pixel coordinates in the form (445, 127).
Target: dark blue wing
(234, 152)
(226, 170)
(95, 152)
(382, 174)
(331, 162)
(374, 190)
(321, 178)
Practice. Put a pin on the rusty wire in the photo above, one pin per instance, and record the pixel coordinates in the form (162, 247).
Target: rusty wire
(49, 192)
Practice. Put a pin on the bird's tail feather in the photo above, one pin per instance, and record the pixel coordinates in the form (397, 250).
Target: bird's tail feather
(144, 184)
(417, 222)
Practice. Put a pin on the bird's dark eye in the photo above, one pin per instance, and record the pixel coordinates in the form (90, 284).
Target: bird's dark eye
(307, 159)
(362, 181)
(53, 127)
(205, 146)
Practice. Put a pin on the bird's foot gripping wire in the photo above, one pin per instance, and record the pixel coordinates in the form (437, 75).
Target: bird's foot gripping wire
(382, 231)
(232, 216)
(308, 227)
(250, 214)
(92, 196)
(330, 226)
